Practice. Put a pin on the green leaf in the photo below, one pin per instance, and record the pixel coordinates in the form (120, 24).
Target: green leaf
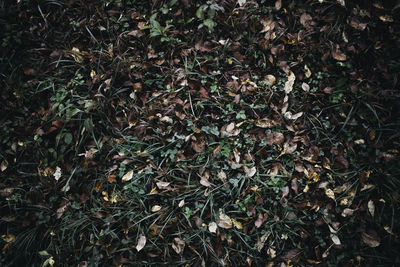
(200, 12)
(68, 138)
(210, 24)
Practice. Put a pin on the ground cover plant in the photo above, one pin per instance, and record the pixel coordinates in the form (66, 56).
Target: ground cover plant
(195, 133)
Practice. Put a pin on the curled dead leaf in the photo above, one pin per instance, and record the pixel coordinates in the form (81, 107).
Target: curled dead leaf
(178, 245)
(212, 227)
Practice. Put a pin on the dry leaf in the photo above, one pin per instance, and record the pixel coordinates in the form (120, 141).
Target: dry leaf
(178, 245)
(224, 221)
(205, 182)
(156, 208)
(371, 207)
(290, 82)
(212, 227)
(305, 87)
(250, 172)
(329, 192)
(162, 185)
(270, 79)
(141, 243)
(278, 4)
(271, 252)
(347, 212)
(57, 173)
(222, 176)
(128, 176)
(237, 224)
(308, 71)
(371, 238)
(338, 55)
(4, 165)
(265, 123)
(335, 239)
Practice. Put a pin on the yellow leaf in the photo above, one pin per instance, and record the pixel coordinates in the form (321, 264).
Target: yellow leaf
(237, 224)
(329, 192)
(92, 74)
(308, 71)
(128, 176)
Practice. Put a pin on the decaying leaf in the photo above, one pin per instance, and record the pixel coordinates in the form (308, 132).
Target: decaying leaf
(371, 238)
(212, 227)
(162, 185)
(250, 172)
(156, 208)
(178, 245)
(338, 55)
(224, 221)
(57, 173)
(308, 71)
(141, 242)
(127, 176)
(290, 82)
(371, 207)
(4, 165)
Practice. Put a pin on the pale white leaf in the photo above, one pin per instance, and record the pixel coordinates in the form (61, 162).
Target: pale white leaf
(212, 227)
(141, 242)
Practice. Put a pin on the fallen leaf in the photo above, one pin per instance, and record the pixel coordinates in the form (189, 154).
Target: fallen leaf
(162, 185)
(347, 212)
(204, 182)
(128, 176)
(178, 245)
(371, 207)
(141, 242)
(290, 82)
(305, 87)
(278, 4)
(270, 79)
(156, 208)
(4, 165)
(198, 146)
(57, 173)
(224, 221)
(271, 252)
(212, 227)
(371, 238)
(241, 2)
(250, 172)
(237, 224)
(338, 55)
(308, 71)
(335, 239)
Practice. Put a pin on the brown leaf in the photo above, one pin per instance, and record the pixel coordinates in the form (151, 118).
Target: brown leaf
(278, 4)
(305, 20)
(371, 238)
(338, 55)
(198, 146)
(275, 138)
(292, 255)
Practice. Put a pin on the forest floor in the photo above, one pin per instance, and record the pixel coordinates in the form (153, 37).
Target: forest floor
(199, 133)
